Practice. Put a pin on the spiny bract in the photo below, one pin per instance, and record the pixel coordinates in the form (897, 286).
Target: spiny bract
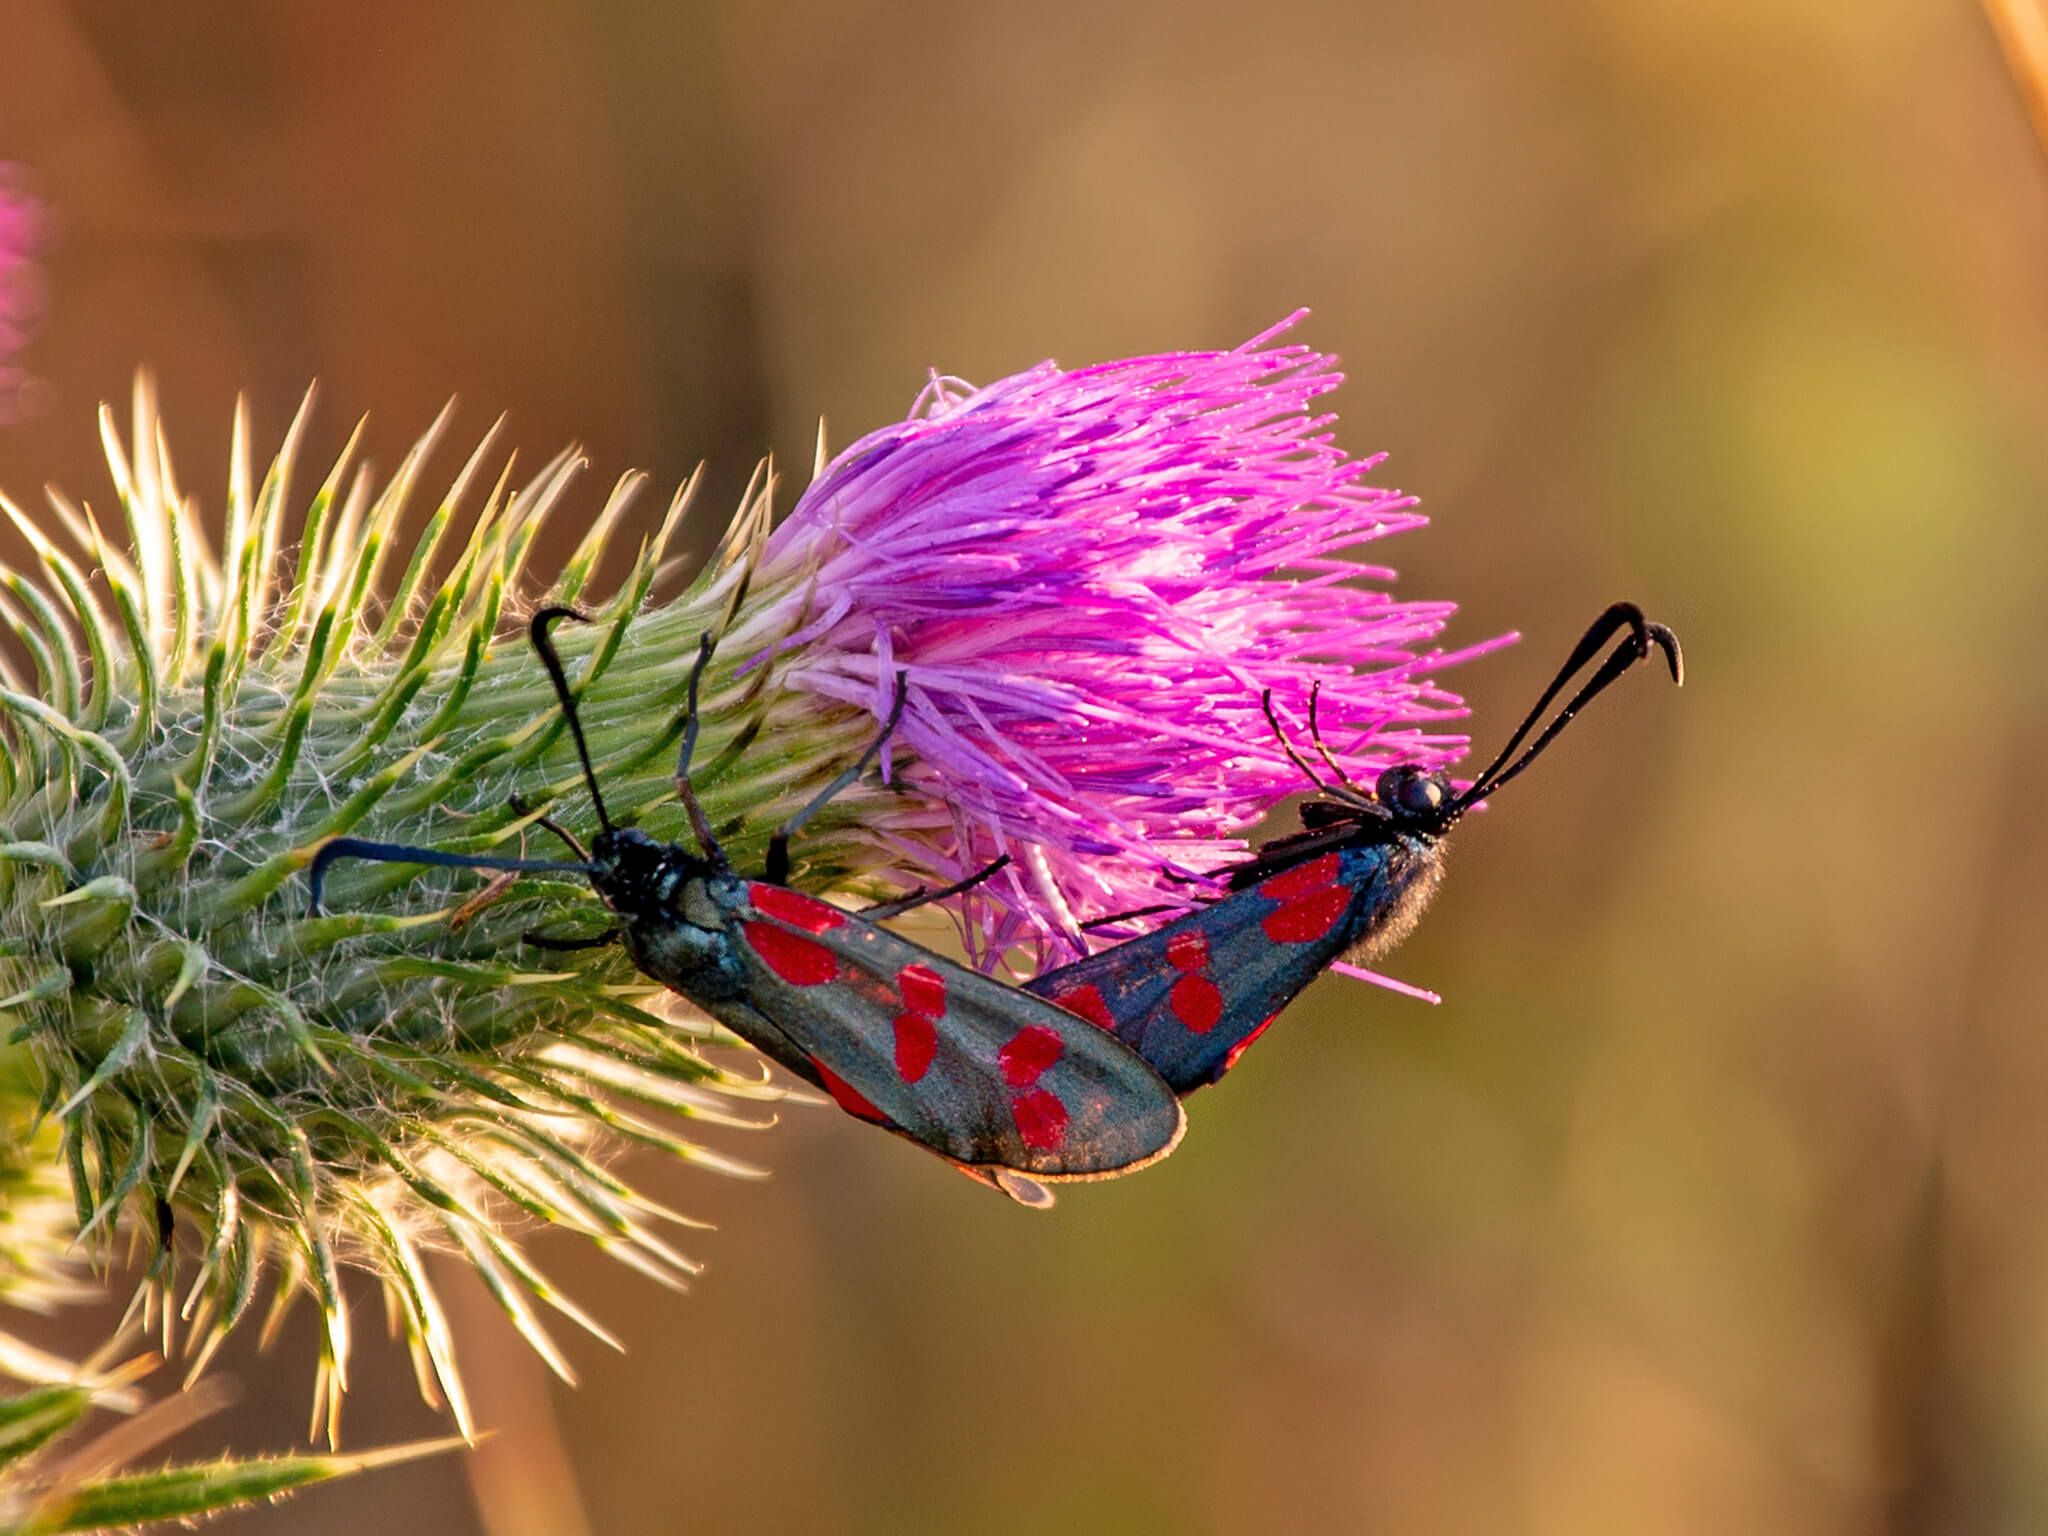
(308, 1092)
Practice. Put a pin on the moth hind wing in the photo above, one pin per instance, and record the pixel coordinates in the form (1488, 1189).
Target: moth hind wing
(1191, 996)
(986, 1075)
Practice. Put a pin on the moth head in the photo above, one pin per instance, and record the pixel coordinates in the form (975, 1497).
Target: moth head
(1417, 800)
(631, 867)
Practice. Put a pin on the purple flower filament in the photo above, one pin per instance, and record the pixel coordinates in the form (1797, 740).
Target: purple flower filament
(1092, 576)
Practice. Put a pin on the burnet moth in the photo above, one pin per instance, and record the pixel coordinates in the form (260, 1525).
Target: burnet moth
(1010, 1088)
(1191, 996)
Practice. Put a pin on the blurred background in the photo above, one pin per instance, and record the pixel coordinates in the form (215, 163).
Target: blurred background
(1712, 1198)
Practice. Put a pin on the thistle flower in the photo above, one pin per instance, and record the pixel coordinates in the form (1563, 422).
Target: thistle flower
(1089, 576)
(21, 231)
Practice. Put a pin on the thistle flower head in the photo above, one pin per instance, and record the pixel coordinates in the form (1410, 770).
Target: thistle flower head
(1090, 578)
(267, 1097)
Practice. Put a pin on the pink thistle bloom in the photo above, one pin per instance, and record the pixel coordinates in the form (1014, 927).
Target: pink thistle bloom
(21, 234)
(1091, 576)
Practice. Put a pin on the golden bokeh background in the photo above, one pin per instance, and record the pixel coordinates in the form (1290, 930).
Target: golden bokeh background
(1715, 1196)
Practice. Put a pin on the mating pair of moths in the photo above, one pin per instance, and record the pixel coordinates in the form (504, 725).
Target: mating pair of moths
(1079, 1074)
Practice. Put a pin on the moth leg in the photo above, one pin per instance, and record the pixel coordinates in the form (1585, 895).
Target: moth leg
(520, 805)
(778, 845)
(495, 889)
(1123, 917)
(923, 897)
(1315, 734)
(1279, 735)
(699, 822)
(593, 941)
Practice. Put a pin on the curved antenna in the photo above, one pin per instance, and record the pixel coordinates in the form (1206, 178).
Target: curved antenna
(1616, 616)
(1642, 637)
(399, 853)
(537, 632)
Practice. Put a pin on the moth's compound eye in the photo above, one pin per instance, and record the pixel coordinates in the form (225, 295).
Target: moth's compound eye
(1410, 792)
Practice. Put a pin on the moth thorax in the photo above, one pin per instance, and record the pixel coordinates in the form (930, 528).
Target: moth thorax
(1414, 870)
(701, 904)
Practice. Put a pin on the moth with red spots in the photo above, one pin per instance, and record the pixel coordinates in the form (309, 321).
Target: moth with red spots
(1010, 1088)
(1192, 996)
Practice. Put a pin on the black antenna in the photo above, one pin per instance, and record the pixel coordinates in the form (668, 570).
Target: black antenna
(399, 853)
(537, 631)
(1635, 646)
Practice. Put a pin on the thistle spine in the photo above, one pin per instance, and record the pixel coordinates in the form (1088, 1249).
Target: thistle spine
(307, 1093)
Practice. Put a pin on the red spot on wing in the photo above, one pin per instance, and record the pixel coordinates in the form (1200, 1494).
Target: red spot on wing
(917, 1042)
(794, 908)
(1314, 876)
(1188, 951)
(848, 1097)
(1196, 1002)
(1305, 919)
(1041, 1120)
(1087, 1001)
(917, 1036)
(797, 960)
(1030, 1051)
(923, 989)
(1244, 1045)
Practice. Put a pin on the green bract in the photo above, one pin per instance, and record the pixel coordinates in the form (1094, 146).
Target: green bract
(47, 1486)
(299, 1094)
